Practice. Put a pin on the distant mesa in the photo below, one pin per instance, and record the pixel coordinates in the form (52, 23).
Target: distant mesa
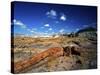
(88, 29)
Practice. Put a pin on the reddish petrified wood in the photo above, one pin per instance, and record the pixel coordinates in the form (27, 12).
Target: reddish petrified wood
(21, 65)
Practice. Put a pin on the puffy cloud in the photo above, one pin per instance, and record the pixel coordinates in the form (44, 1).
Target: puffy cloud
(61, 31)
(77, 29)
(51, 14)
(63, 17)
(31, 31)
(19, 23)
(52, 32)
(45, 33)
(50, 28)
(46, 25)
(42, 27)
(22, 25)
(14, 21)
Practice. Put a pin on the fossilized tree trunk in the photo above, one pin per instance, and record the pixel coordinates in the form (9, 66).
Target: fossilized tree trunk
(21, 65)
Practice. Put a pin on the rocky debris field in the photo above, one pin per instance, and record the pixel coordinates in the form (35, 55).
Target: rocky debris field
(78, 53)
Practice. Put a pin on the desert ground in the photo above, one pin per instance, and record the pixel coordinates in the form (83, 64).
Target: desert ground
(77, 53)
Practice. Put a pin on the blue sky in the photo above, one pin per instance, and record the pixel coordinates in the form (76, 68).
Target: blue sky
(47, 19)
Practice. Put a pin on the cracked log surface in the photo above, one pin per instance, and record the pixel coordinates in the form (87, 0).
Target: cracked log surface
(21, 65)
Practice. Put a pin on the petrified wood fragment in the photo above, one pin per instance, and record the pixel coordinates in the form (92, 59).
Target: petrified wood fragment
(21, 65)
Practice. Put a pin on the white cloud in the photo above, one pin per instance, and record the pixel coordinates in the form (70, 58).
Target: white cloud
(46, 25)
(63, 17)
(45, 33)
(14, 20)
(23, 26)
(52, 32)
(42, 27)
(77, 29)
(50, 28)
(61, 31)
(31, 31)
(51, 14)
(19, 23)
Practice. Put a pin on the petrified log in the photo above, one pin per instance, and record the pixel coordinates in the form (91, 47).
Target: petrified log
(21, 65)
